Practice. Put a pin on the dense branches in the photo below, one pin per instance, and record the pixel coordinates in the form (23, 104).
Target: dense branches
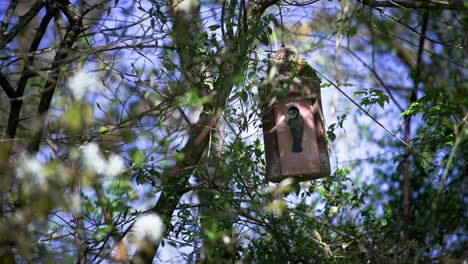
(133, 126)
(449, 4)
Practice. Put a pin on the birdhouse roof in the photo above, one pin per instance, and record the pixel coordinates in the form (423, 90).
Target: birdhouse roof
(289, 63)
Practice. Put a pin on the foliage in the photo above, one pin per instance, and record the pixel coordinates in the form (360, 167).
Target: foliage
(131, 132)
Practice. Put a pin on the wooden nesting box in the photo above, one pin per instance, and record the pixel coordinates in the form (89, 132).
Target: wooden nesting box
(293, 129)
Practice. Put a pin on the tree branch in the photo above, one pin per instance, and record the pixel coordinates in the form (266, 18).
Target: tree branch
(174, 181)
(8, 36)
(413, 98)
(10, 92)
(9, 13)
(424, 4)
(16, 100)
(73, 31)
(377, 76)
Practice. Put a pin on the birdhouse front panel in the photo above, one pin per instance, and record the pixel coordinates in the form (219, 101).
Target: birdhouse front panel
(298, 147)
(293, 128)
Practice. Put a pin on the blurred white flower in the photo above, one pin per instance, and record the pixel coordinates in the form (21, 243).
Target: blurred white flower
(186, 5)
(115, 166)
(81, 83)
(226, 240)
(75, 204)
(333, 211)
(285, 183)
(28, 167)
(94, 162)
(148, 226)
(92, 159)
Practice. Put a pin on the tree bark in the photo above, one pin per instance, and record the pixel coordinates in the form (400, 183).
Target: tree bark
(71, 35)
(413, 98)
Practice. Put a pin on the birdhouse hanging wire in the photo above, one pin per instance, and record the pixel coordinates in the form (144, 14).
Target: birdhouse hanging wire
(292, 120)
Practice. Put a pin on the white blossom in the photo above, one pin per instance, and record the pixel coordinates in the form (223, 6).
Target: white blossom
(186, 5)
(75, 203)
(92, 159)
(226, 240)
(115, 166)
(30, 168)
(148, 226)
(94, 162)
(82, 83)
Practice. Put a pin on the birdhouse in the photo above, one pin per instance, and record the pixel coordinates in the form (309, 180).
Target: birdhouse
(293, 125)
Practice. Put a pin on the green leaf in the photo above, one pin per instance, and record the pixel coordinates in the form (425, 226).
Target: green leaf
(244, 96)
(351, 31)
(383, 222)
(214, 27)
(263, 37)
(138, 157)
(331, 136)
(102, 232)
(169, 65)
(179, 157)
(360, 92)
